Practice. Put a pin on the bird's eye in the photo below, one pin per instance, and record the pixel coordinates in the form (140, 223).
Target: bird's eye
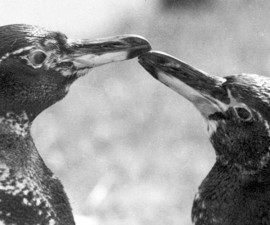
(37, 57)
(243, 113)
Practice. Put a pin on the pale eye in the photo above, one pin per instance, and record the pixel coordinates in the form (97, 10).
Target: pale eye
(243, 113)
(37, 57)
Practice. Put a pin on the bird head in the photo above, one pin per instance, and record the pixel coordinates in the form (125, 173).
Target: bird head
(236, 109)
(38, 66)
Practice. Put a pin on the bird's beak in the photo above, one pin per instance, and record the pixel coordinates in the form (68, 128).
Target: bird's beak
(89, 53)
(204, 91)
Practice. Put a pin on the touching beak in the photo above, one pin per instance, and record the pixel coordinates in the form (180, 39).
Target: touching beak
(89, 54)
(204, 91)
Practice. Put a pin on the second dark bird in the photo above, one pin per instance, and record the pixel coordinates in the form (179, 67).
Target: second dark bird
(237, 111)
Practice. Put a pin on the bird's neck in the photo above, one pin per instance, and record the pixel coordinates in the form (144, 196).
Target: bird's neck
(15, 124)
(17, 148)
(227, 196)
(20, 160)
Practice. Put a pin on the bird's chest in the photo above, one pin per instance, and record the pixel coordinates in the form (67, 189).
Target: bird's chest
(230, 211)
(214, 209)
(223, 199)
(23, 202)
(29, 193)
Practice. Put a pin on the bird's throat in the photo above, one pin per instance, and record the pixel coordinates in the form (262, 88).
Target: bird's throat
(15, 124)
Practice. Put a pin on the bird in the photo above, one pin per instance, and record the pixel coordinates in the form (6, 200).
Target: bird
(37, 67)
(236, 109)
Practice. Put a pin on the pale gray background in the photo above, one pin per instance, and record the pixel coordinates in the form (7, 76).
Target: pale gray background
(128, 150)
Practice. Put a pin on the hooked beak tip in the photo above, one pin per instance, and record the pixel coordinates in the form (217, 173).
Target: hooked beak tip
(138, 46)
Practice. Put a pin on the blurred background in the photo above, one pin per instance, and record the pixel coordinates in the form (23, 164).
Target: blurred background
(127, 149)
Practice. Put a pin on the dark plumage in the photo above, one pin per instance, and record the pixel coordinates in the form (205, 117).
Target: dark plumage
(236, 108)
(36, 69)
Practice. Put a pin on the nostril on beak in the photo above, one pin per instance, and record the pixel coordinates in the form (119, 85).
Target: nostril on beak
(157, 60)
(161, 61)
(118, 44)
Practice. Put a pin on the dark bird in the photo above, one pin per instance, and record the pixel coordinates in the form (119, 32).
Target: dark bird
(237, 111)
(37, 68)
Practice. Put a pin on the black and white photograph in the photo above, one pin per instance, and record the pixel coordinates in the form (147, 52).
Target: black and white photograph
(135, 112)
